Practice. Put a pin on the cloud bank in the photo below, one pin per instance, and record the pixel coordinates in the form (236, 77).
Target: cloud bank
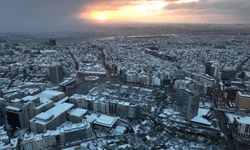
(61, 15)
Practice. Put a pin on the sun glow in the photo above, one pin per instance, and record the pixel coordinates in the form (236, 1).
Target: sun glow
(150, 6)
(133, 11)
(101, 16)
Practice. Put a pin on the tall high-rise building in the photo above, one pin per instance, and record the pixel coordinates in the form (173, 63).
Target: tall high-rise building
(52, 42)
(211, 68)
(56, 74)
(1, 94)
(246, 76)
(14, 116)
(2, 111)
(187, 102)
(20, 111)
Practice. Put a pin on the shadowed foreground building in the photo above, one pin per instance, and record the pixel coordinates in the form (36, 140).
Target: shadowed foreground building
(59, 138)
(20, 111)
(1, 94)
(2, 111)
(187, 102)
(56, 74)
(241, 127)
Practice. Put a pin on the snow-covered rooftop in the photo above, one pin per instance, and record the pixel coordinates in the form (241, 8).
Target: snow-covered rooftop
(13, 108)
(81, 97)
(78, 112)
(106, 120)
(44, 116)
(244, 94)
(199, 119)
(52, 113)
(50, 94)
(30, 98)
(240, 119)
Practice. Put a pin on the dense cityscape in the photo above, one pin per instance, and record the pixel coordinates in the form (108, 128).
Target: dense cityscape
(124, 75)
(164, 91)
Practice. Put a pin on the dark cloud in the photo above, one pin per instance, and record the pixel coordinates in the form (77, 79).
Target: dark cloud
(230, 11)
(60, 15)
(42, 15)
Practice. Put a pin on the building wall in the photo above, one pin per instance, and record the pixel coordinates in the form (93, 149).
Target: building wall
(108, 107)
(243, 132)
(50, 141)
(55, 141)
(27, 145)
(102, 128)
(193, 106)
(51, 125)
(204, 80)
(36, 127)
(56, 74)
(15, 118)
(28, 112)
(2, 111)
(188, 104)
(132, 112)
(242, 102)
(44, 107)
(75, 119)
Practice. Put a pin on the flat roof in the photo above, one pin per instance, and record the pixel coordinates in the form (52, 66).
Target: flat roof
(199, 119)
(59, 109)
(62, 100)
(240, 119)
(78, 112)
(67, 81)
(83, 97)
(73, 127)
(30, 98)
(44, 116)
(124, 103)
(188, 91)
(64, 129)
(49, 94)
(91, 118)
(106, 120)
(244, 94)
(95, 72)
(52, 113)
(13, 108)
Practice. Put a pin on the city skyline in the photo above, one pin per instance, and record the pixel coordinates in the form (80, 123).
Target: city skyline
(125, 74)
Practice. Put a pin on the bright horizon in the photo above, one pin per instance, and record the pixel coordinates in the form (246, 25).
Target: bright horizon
(65, 15)
(141, 11)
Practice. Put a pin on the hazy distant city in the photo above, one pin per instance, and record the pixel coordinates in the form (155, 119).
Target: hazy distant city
(136, 74)
(186, 90)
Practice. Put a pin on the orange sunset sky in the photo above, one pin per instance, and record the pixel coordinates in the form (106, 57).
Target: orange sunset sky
(162, 11)
(51, 15)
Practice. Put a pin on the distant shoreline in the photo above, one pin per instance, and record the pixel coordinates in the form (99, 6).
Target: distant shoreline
(143, 31)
